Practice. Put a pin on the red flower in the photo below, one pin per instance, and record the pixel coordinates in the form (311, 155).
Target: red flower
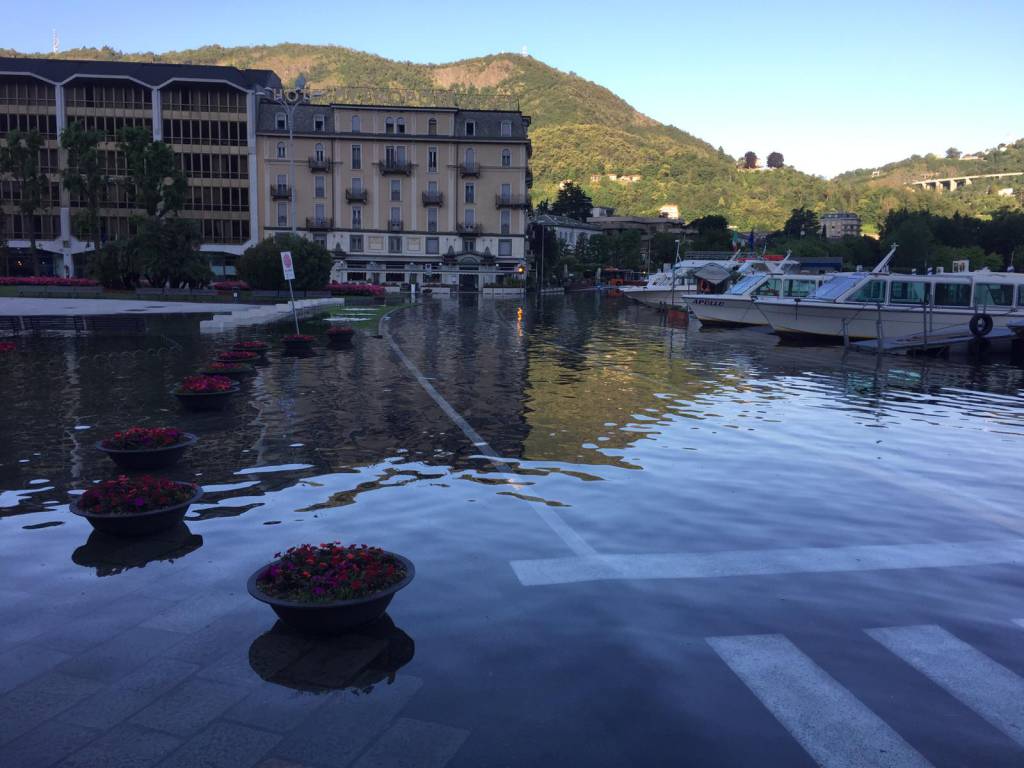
(205, 384)
(143, 438)
(330, 572)
(125, 496)
(236, 356)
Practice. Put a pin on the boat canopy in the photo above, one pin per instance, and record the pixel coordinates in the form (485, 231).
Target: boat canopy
(712, 273)
(746, 284)
(832, 289)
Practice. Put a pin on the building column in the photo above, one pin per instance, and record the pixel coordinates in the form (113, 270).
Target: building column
(65, 196)
(158, 115)
(255, 235)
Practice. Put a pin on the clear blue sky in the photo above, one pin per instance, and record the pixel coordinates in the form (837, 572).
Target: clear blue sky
(833, 86)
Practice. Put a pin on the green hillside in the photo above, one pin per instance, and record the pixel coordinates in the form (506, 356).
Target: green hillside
(585, 132)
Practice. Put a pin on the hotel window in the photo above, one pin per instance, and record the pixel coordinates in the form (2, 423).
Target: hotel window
(394, 244)
(356, 124)
(431, 219)
(282, 214)
(355, 243)
(281, 121)
(505, 249)
(506, 192)
(433, 245)
(318, 153)
(319, 186)
(389, 125)
(389, 155)
(432, 159)
(282, 150)
(506, 221)
(432, 187)
(319, 123)
(395, 216)
(396, 191)
(400, 125)
(432, 127)
(282, 181)
(319, 216)
(469, 244)
(357, 157)
(471, 128)
(357, 217)
(470, 156)
(400, 155)
(357, 184)
(506, 158)
(506, 127)
(471, 193)
(470, 217)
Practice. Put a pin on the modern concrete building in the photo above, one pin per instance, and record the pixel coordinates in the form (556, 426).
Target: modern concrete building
(399, 194)
(840, 224)
(206, 113)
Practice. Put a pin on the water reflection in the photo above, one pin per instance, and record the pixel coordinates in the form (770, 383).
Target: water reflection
(356, 661)
(111, 555)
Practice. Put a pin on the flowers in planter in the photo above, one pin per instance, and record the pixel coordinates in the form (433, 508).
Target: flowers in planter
(205, 385)
(298, 338)
(230, 285)
(144, 438)
(252, 346)
(129, 496)
(67, 282)
(340, 330)
(7, 346)
(237, 356)
(330, 572)
(227, 366)
(356, 289)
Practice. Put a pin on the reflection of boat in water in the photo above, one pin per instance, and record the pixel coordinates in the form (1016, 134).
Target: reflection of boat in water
(869, 305)
(357, 660)
(111, 555)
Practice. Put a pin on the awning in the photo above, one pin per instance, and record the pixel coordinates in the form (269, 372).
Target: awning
(712, 273)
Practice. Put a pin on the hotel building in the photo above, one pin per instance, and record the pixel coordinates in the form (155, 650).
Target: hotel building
(399, 194)
(207, 114)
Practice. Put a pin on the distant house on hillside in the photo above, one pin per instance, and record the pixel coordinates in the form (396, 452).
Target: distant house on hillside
(840, 224)
(569, 231)
(669, 211)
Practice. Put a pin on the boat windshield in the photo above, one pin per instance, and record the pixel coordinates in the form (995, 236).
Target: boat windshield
(745, 285)
(837, 286)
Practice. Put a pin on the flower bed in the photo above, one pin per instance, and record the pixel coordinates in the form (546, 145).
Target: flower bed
(237, 356)
(356, 289)
(298, 338)
(231, 285)
(330, 572)
(221, 367)
(340, 330)
(251, 346)
(128, 496)
(7, 346)
(144, 438)
(81, 282)
(204, 385)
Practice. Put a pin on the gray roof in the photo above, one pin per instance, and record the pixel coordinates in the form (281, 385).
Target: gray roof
(147, 73)
(488, 124)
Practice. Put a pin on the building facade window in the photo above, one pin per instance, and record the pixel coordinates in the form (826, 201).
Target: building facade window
(470, 196)
(357, 183)
(281, 121)
(471, 128)
(432, 127)
(282, 150)
(505, 249)
(470, 156)
(433, 245)
(320, 123)
(282, 214)
(357, 217)
(431, 219)
(432, 187)
(394, 244)
(506, 127)
(469, 244)
(396, 191)
(432, 159)
(506, 158)
(400, 125)
(506, 221)
(282, 181)
(357, 157)
(319, 186)
(470, 217)
(389, 125)
(506, 192)
(318, 152)
(319, 215)
(355, 243)
(356, 124)
(395, 216)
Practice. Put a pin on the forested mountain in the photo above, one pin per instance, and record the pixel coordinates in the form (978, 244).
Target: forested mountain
(585, 132)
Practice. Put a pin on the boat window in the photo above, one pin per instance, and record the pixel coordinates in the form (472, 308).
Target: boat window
(745, 285)
(953, 294)
(771, 287)
(1020, 296)
(872, 291)
(799, 288)
(993, 295)
(837, 286)
(907, 292)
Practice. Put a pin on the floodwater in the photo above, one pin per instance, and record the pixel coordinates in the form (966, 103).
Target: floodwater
(636, 543)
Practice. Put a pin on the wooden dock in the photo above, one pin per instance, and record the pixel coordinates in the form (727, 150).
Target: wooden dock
(918, 344)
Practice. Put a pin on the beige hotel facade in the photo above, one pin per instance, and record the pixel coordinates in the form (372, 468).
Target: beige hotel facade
(399, 194)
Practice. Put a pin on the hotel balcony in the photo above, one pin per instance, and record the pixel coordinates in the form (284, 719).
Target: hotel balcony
(320, 164)
(433, 198)
(395, 225)
(469, 229)
(313, 223)
(355, 195)
(469, 169)
(280, 192)
(394, 167)
(512, 201)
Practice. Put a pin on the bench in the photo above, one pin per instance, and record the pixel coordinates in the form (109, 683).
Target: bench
(55, 323)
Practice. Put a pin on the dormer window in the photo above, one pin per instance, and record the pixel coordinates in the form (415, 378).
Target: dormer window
(432, 127)
(400, 125)
(471, 127)
(389, 125)
(319, 123)
(282, 150)
(506, 127)
(281, 121)
(356, 124)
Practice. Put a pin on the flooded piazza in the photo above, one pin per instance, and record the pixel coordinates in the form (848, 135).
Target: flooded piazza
(636, 543)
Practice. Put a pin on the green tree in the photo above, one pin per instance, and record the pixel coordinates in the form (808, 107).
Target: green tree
(952, 153)
(750, 160)
(158, 185)
(776, 160)
(572, 202)
(915, 240)
(260, 265)
(168, 252)
(85, 176)
(19, 156)
(713, 234)
(802, 222)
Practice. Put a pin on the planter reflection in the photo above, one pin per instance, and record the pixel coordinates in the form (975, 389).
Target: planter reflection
(111, 555)
(357, 661)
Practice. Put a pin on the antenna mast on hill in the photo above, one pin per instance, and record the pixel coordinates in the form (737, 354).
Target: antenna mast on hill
(56, 42)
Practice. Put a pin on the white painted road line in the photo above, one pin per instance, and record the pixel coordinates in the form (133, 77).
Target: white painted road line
(872, 557)
(829, 722)
(990, 689)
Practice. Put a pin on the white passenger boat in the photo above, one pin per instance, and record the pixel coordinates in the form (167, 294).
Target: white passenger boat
(659, 291)
(879, 304)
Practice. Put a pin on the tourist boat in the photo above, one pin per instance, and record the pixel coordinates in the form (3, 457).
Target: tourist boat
(658, 291)
(880, 304)
(737, 306)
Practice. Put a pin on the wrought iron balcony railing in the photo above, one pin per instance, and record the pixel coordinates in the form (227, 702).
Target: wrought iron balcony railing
(512, 201)
(319, 163)
(355, 195)
(433, 198)
(391, 166)
(469, 169)
(319, 223)
(395, 225)
(469, 229)
(280, 191)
